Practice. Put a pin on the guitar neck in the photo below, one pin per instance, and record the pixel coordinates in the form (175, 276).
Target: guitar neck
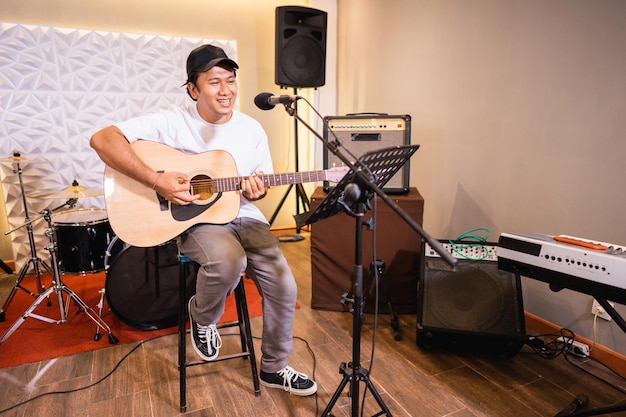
(269, 180)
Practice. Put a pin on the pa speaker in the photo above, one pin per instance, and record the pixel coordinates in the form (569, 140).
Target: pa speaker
(300, 47)
(476, 307)
(362, 133)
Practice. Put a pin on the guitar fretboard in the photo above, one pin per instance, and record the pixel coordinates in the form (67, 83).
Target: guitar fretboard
(269, 180)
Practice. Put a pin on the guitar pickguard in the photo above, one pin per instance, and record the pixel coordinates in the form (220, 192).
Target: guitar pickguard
(190, 211)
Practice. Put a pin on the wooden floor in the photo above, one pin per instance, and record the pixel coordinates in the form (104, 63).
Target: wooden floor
(411, 382)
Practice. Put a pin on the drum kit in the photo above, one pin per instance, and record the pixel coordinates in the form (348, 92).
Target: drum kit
(57, 286)
(141, 284)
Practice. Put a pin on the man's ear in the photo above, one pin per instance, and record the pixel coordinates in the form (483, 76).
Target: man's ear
(192, 90)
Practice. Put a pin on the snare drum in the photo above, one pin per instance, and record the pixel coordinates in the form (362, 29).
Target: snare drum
(142, 284)
(82, 237)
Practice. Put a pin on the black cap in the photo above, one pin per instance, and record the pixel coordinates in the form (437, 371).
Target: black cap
(205, 57)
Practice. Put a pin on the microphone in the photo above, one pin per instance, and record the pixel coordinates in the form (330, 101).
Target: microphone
(267, 101)
(578, 402)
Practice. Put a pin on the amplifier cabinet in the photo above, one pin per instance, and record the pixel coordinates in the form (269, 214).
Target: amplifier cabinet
(368, 132)
(398, 246)
(476, 306)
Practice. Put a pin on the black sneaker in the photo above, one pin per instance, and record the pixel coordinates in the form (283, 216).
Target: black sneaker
(290, 380)
(206, 339)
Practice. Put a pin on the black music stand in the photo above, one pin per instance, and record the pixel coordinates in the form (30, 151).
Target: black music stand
(353, 194)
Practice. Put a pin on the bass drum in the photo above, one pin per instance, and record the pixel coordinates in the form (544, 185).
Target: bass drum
(142, 284)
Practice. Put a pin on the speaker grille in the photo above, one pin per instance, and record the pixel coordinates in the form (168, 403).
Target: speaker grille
(358, 134)
(302, 62)
(470, 299)
(476, 305)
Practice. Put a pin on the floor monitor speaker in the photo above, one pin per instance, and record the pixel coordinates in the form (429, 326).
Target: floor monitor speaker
(368, 132)
(476, 307)
(300, 47)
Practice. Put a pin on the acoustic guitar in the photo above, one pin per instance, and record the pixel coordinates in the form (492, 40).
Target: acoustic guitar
(139, 216)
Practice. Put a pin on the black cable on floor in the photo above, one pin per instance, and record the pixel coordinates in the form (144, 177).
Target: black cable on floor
(85, 387)
(554, 348)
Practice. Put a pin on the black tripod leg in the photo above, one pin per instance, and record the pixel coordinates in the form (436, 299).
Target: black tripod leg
(379, 399)
(338, 391)
(393, 316)
(302, 197)
(280, 205)
(600, 411)
(5, 267)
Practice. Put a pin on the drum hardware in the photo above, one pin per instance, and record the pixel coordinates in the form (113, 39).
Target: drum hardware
(113, 249)
(59, 288)
(16, 160)
(100, 305)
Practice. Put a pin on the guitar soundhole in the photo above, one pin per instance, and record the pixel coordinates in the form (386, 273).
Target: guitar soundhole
(202, 184)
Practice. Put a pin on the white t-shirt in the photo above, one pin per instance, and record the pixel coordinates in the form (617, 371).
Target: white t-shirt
(182, 128)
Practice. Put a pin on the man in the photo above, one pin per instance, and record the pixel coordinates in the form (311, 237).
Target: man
(222, 251)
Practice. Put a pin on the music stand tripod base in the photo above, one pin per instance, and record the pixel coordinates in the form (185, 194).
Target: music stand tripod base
(381, 165)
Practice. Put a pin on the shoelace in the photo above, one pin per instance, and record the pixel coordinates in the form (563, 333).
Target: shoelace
(210, 335)
(289, 374)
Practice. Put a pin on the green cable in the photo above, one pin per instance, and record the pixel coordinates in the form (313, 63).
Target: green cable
(468, 235)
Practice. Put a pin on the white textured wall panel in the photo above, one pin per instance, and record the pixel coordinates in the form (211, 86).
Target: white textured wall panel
(57, 87)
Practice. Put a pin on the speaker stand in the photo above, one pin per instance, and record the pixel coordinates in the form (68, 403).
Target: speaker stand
(301, 196)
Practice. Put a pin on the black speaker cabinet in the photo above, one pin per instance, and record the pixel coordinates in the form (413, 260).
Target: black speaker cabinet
(368, 132)
(476, 307)
(300, 47)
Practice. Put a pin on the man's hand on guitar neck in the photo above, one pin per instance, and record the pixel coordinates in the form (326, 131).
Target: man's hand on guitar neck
(253, 188)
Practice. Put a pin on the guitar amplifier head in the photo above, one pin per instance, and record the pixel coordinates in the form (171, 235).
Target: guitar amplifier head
(368, 132)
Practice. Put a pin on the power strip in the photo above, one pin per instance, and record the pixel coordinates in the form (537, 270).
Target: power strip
(466, 250)
(576, 348)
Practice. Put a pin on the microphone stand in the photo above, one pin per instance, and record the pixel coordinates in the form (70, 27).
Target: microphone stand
(358, 188)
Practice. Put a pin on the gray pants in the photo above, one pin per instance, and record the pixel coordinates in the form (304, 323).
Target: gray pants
(224, 252)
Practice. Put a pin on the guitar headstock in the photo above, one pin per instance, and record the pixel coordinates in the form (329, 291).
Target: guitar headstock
(335, 174)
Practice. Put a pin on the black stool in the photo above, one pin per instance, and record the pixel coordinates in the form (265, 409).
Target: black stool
(243, 322)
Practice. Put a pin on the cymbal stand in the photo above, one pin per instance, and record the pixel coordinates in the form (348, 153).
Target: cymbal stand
(35, 261)
(59, 288)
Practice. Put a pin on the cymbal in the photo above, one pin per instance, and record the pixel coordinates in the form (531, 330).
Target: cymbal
(73, 191)
(9, 161)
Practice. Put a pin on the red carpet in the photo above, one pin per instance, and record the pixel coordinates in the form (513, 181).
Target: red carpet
(36, 340)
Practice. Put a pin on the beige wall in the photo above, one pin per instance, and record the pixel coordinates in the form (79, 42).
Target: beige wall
(250, 23)
(519, 107)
